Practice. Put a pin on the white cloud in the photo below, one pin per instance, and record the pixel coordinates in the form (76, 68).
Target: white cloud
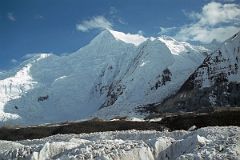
(39, 17)
(14, 61)
(226, 0)
(192, 15)
(206, 35)
(98, 22)
(121, 21)
(140, 32)
(27, 56)
(11, 17)
(113, 11)
(214, 13)
(215, 21)
(113, 14)
(166, 30)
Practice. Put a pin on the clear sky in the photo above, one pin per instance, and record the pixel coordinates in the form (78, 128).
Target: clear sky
(63, 26)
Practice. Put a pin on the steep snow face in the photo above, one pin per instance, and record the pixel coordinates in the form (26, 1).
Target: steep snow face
(215, 83)
(204, 143)
(158, 71)
(115, 71)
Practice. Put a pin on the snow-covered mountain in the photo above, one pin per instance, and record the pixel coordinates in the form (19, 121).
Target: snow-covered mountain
(110, 76)
(158, 70)
(216, 82)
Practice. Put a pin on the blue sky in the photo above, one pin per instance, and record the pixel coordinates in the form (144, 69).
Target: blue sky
(63, 26)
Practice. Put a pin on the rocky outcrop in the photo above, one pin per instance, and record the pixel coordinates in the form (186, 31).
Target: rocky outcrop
(162, 79)
(114, 90)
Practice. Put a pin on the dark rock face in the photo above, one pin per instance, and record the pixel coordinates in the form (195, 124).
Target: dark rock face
(203, 100)
(114, 91)
(162, 79)
(43, 98)
(216, 83)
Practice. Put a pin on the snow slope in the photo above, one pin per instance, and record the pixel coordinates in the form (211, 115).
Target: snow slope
(161, 66)
(115, 72)
(205, 143)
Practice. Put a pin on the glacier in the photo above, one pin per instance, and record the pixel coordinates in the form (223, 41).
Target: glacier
(204, 143)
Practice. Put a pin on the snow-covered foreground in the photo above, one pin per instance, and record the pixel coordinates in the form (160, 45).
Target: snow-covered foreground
(204, 143)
